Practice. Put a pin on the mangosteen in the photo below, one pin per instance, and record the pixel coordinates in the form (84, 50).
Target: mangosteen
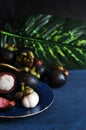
(7, 56)
(25, 57)
(6, 103)
(56, 78)
(27, 79)
(30, 100)
(7, 82)
(41, 68)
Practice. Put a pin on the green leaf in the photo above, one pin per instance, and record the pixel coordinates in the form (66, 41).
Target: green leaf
(57, 41)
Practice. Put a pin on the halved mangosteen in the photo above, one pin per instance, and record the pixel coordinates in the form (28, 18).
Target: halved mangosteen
(7, 82)
(6, 103)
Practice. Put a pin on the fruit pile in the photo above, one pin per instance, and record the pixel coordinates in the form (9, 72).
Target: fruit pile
(30, 71)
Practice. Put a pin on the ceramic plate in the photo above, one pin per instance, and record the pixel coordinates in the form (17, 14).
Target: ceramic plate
(46, 99)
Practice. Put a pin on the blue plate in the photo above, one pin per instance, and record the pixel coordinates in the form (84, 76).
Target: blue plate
(46, 99)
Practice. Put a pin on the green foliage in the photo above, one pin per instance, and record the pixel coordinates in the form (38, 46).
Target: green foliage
(57, 41)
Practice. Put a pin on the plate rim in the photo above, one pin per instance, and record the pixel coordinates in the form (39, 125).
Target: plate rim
(35, 113)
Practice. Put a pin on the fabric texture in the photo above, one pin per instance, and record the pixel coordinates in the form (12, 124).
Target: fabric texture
(68, 111)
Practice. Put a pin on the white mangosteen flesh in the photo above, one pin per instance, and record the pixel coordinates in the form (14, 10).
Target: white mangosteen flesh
(6, 82)
(31, 100)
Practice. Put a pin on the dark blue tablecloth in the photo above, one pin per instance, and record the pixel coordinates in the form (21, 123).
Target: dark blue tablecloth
(68, 111)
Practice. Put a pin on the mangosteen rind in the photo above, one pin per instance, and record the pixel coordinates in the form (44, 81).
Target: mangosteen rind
(28, 80)
(56, 78)
(7, 56)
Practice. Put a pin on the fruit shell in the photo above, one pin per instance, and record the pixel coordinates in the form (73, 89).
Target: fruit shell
(41, 68)
(7, 56)
(27, 79)
(56, 78)
(15, 82)
(5, 103)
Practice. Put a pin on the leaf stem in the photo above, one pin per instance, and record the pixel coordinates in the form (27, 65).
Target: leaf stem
(39, 40)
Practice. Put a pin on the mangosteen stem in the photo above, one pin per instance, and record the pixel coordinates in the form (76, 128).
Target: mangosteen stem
(22, 87)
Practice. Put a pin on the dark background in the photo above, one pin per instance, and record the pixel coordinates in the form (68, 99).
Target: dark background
(9, 9)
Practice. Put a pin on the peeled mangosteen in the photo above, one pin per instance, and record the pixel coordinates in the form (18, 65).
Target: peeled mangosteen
(7, 56)
(28, 80)
(56, 78)
(7, 82)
